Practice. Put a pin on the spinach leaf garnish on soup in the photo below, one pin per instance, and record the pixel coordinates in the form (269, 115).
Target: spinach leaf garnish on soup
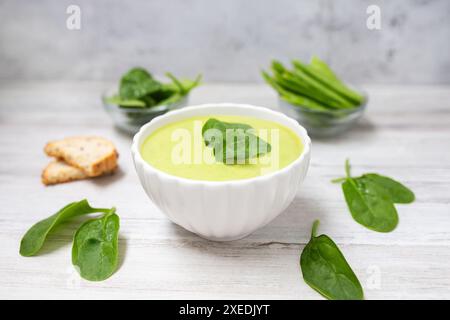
(233, 143)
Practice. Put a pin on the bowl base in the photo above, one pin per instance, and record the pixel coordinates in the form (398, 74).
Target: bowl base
(224, 239)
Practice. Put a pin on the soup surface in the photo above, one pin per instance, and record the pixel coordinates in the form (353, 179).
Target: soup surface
(179, 149)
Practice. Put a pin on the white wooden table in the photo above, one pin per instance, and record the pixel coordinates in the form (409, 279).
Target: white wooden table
(405, 134)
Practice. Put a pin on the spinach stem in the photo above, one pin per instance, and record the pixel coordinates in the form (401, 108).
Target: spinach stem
(347, 168)
(104, 210)
(176, 82)
(339, 180)
(314, 228)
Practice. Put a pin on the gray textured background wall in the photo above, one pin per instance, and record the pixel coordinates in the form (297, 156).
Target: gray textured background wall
(228, 40)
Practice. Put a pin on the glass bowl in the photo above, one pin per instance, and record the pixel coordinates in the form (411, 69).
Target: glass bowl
(324, 123)
(130, 120)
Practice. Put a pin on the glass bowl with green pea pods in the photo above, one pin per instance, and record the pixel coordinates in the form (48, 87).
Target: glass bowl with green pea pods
(140, 98)
(314, 96)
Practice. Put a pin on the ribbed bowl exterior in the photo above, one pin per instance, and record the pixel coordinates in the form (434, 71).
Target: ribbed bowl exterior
(225, 210)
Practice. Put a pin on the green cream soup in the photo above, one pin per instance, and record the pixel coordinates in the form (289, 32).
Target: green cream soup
(179, 149)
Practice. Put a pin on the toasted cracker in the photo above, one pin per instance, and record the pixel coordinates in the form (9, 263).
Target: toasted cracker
(59, 172)
(93, 155)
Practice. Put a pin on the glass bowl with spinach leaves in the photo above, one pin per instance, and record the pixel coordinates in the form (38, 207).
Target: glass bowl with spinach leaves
(141, 97)
(315, 96)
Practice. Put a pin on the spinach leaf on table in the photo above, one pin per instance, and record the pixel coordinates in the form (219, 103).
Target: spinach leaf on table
(371, 197)
(95, 247)
(233, 143)
(35, 237)
(397, 191)
(370, 205)
(325, 269)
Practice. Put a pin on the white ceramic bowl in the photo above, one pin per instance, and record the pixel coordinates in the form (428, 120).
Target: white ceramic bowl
(222, 210)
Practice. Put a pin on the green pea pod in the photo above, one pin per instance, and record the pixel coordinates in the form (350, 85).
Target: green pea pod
(301, 75)
(334, 85)
(292, 98)
(313, 86)
(325, 269)
(35, 237)
(292, 83)
(95, 247)
(398, 192)
(320, 66)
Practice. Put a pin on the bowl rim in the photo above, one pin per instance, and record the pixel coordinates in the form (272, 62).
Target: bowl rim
(306, 140)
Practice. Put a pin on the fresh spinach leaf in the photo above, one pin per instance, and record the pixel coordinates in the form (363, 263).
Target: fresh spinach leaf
(137, 83)
(177, 83)
(163, 94)
(175, 97)
(181, 87)
(138, 89)
(131, 103)
(233, 143)
(172, 93)
(34, 238)
(222, 126)
(398, 192)
(371, 197)
(188, 85)
(149, 100)
(370, 205)
(95, 247)
(325, 269)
